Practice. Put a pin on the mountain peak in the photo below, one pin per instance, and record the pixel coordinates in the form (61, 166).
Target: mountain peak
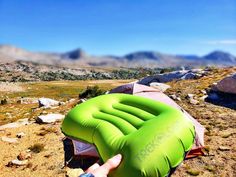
(75, 54)
(219, 55)
(143, 55)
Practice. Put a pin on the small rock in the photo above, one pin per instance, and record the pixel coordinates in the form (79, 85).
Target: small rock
(19, 101)
(61, 103)
(224, 148)
(9, 140)
(44, 112)
(178, 98)
(81, 100)
(47, 102)
(203, 97)
(189, 96)
(20, 135)
(8, 114)
(71, 100)
(174, 97)
(74, 172)
(17, 162)
(203, 92)
(24, 156)
(49, 118)
(193, 101)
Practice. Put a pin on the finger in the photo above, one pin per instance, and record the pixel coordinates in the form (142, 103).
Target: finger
(111, 164)
(92, 168)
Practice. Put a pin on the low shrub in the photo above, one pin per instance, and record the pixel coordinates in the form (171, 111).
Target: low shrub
(91, 92)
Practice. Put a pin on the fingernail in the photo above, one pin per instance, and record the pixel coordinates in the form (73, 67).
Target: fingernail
(118, 157)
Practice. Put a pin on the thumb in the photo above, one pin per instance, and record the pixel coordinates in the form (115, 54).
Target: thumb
(109, 165)
(112, 162)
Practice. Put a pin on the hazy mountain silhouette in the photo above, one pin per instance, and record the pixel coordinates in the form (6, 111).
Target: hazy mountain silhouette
(78, 57)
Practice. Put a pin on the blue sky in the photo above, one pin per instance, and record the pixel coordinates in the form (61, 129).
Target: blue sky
(120, 26)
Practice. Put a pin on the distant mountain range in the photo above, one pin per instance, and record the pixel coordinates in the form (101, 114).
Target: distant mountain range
(78, 57)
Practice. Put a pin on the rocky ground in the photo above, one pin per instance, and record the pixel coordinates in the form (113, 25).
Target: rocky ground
(220, 124)
(40, 147)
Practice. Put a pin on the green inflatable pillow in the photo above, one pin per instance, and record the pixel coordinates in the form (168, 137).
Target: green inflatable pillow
(152, 137)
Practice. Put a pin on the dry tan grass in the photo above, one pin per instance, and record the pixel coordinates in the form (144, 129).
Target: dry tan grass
(10, 87)
(59, 90)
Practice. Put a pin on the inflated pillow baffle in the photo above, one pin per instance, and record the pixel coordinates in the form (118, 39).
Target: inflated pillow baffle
(152, 137)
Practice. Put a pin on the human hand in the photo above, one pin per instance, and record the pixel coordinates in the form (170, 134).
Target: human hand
(102, 171)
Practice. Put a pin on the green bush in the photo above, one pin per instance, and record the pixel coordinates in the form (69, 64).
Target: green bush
(91, 92)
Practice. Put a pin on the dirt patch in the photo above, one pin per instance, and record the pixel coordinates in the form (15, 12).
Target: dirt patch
(47, 162)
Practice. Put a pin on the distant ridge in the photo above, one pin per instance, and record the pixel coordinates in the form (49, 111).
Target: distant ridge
(220, 55)
(79, 57)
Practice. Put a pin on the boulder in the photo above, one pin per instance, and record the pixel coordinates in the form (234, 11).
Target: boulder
(213, 96)
(160, 86)
(49, 118)
(176, 75)
(226, 85)
(47, 102)
(189, 76)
